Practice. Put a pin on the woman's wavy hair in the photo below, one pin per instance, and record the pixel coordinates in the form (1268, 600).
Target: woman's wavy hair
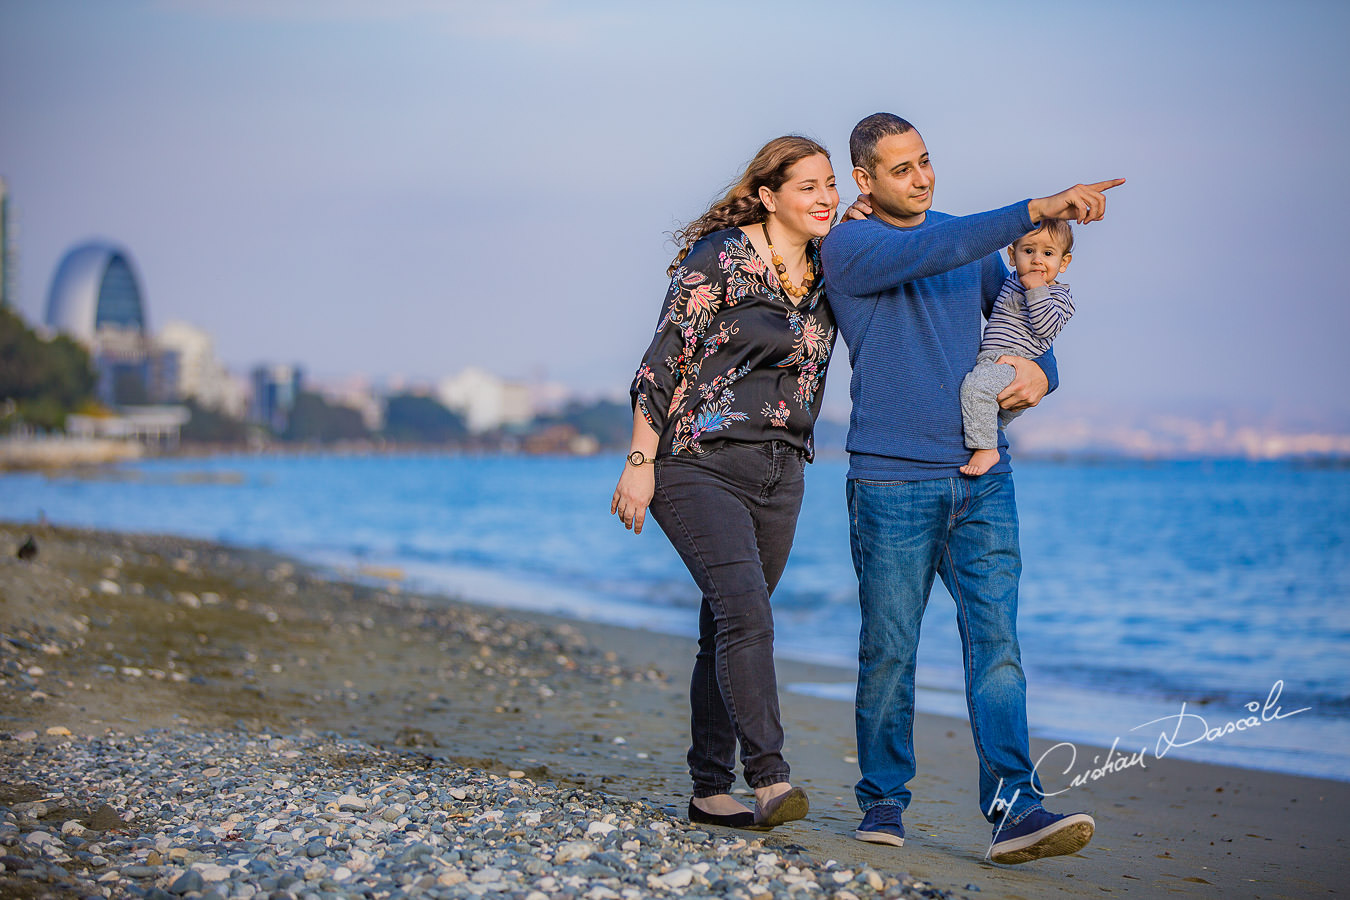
(741, 205)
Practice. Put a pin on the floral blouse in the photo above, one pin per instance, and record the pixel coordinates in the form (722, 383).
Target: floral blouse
(732, 358)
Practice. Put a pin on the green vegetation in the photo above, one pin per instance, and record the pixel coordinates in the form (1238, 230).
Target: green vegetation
(418, 419)
(314, 419)
(41, 381)
(209, 426)
(608, 421)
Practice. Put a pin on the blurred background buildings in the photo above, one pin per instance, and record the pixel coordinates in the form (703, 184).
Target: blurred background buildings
(157, 387)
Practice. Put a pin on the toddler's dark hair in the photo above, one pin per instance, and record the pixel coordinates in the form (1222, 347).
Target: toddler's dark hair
(1060, 231)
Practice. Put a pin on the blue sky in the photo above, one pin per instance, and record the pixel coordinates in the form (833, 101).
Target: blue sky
(410, 187)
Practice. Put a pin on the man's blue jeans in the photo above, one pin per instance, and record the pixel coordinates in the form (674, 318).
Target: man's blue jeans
(902, 534)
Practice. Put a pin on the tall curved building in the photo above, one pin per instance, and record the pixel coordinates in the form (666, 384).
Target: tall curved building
(95, 288)
(96, 299)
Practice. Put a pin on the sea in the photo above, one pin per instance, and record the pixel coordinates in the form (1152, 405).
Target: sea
(1196, 609)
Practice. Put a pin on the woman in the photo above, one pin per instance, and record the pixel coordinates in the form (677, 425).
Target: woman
(724, 405)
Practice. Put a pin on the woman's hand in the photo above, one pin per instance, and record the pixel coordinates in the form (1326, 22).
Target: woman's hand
(633, 495)
(861, 209)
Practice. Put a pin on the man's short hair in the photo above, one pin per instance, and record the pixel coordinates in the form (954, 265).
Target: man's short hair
(1059, 231)
(862, 143)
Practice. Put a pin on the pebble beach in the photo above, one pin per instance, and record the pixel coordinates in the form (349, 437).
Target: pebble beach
(317, 817)
(192, 682)
(180, 719)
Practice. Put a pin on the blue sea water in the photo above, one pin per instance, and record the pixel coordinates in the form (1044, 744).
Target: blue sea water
(1167, 593)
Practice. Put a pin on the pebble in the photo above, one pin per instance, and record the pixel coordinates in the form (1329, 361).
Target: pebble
(140, 871)
(575, 850)
(679, 878)
(191, 880)
(349, 803)
(354, 820)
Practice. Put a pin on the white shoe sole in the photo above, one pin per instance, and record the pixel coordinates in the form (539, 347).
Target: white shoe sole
(1068, 835)
(879, 837)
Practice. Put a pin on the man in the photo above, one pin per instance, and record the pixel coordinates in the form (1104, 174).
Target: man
(909, 287)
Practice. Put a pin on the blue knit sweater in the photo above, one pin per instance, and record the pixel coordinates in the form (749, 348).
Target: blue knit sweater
(909, 304)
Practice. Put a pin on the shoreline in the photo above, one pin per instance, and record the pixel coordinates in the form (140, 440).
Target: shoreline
(115, 452)
(595, 706)
(837, 680)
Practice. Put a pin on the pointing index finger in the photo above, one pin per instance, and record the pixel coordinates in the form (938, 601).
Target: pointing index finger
(1107, 185)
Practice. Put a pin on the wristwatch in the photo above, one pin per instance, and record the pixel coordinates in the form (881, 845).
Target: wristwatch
(638, 458)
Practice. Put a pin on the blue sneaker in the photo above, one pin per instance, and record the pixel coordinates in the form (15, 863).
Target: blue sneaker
(1039, 835)
(881, 825)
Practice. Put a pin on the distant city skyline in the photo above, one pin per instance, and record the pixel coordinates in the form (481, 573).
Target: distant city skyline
(407, 189)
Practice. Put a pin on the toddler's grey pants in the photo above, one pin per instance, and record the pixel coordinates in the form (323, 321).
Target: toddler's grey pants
(980, 411)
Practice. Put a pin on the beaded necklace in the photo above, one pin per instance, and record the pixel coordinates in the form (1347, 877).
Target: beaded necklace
(792, 290)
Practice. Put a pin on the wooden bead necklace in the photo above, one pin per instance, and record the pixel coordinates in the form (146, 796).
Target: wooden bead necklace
(792, 290)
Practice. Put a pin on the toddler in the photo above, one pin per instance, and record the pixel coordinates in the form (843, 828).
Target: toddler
(1030, 311)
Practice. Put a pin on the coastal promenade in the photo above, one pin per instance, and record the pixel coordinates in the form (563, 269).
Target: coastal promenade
(184, 719)
(64, 452)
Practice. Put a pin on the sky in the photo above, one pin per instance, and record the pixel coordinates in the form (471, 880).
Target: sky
(404, 188)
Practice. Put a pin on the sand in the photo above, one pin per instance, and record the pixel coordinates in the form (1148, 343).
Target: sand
(129, 633)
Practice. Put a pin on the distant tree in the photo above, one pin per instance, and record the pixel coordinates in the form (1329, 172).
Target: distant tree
(608, 421)
(418, 419)
(45, 380)
(71, 379)
(209, 426)
(315, 419)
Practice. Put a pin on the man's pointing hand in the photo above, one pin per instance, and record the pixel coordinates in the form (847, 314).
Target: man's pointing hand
(1082, 203)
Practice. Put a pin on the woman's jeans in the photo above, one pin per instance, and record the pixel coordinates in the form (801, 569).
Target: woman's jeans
(965, 531)
(731, 513)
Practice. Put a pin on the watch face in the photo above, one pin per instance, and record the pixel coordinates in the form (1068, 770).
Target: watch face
(636, 458)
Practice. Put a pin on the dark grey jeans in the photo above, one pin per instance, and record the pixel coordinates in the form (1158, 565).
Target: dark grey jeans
(731, 513)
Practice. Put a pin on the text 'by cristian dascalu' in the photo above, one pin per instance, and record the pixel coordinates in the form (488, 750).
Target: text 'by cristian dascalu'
(1182, 729)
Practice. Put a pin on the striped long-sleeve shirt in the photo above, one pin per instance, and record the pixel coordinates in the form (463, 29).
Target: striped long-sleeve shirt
(1024, 322)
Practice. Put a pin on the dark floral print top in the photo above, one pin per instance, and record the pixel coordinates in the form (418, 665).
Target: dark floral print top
(732, 358)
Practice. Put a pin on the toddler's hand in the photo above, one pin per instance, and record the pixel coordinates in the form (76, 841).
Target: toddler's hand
(1033, 279)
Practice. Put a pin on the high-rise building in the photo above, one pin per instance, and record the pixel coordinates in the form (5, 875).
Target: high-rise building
(201, 376)
(484, 400)
(275, 390)
(8, 281)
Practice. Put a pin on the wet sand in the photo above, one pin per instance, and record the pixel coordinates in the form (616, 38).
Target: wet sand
(130, 633)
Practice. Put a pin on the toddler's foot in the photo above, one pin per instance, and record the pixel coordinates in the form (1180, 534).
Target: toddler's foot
(981, 461)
